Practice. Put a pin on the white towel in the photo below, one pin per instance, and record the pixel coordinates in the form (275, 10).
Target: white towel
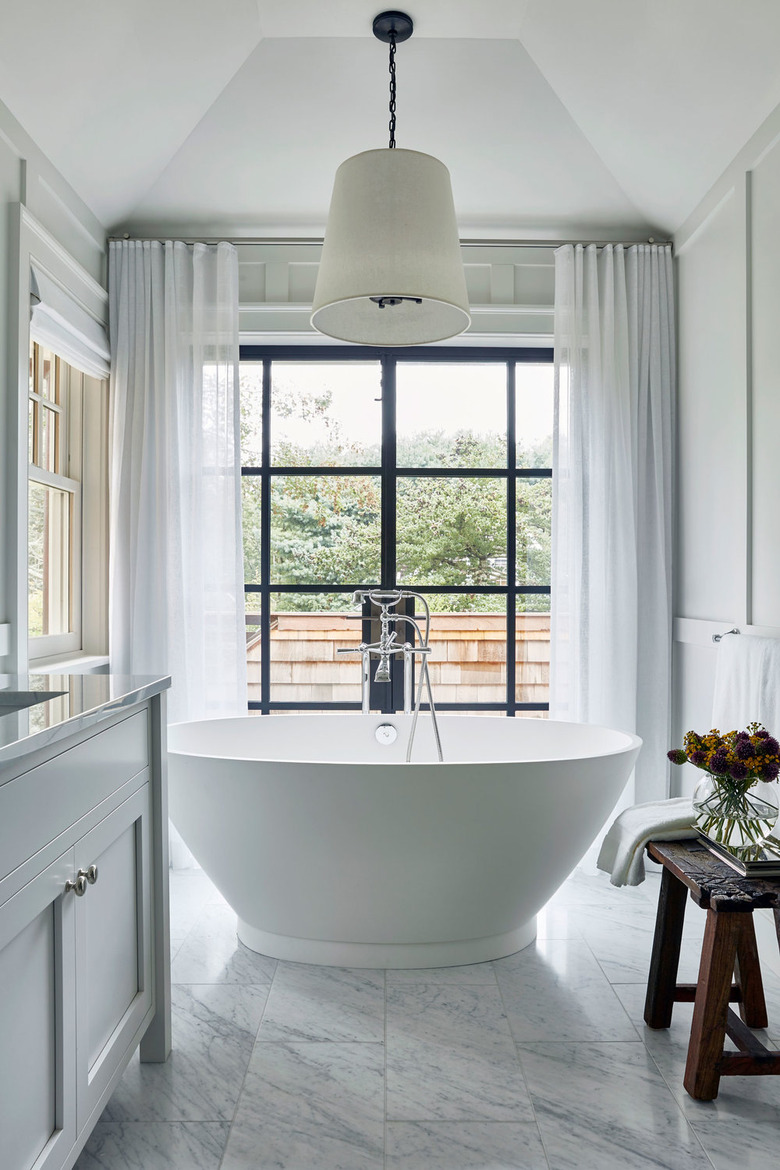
(747, 683)
(622, 852)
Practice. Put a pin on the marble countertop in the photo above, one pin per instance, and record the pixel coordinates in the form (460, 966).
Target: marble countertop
(72, 703)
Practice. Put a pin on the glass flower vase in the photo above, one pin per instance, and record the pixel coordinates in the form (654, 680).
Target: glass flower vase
(738, 817)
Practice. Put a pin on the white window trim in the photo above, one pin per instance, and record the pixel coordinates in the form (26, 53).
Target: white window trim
(37, 246)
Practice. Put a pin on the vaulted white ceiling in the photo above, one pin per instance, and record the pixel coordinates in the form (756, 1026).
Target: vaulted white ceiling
(553, 116)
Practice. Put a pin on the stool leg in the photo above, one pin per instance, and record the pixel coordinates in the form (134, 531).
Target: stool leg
(662, 980)
(710, 1009)
(747, 972)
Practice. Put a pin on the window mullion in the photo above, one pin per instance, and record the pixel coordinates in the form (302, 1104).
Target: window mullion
(389, 482)
(511, 538)
(389, 477)
(265, 542)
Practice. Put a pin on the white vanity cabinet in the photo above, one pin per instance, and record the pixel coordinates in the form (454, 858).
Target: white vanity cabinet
(38, 1021)
(79, 968)
(113, 947)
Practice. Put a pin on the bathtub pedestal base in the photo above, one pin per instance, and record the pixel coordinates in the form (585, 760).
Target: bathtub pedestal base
(391, 955)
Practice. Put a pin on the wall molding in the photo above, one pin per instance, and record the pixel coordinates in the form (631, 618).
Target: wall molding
(62, 267)
(511, 292)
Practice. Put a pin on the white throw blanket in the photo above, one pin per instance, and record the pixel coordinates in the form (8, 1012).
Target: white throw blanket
(622, 852)
(747, 683)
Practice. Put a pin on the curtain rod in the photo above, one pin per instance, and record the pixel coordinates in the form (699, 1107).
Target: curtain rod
(290, 241)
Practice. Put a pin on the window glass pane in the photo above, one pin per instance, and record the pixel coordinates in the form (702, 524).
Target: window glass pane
(46, 369)
(30, 430)
(468, 640)
(47, 450)
(451, 531)
(49, 569)
(307, 629)
(326, 414)
(253, 647)
(451, 415)
(534, 396)
(251, 389)
(533, 602)
(251, 494)
(534, 520)
(532, 653)
(325, 529)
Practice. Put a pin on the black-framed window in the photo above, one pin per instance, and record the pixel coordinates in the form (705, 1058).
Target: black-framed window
(425, 468)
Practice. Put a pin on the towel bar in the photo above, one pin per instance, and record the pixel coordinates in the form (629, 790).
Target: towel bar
(717, 637)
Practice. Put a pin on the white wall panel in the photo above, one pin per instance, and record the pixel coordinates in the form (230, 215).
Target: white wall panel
(765, 560)
(10, 179)
(693, 667)
(712, 467)
(728, 550)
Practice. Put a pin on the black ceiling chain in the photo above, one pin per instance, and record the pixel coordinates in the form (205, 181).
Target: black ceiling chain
(392, 92)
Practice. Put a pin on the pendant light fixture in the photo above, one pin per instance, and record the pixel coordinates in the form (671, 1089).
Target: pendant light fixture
(391, 271)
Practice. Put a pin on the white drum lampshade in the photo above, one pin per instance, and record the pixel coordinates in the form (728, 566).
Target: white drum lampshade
(391, 271)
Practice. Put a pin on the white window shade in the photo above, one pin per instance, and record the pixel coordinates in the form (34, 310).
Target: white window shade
(63, 325)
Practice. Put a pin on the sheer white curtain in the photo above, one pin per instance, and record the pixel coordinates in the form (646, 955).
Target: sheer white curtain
(176, 576)
(612, 500)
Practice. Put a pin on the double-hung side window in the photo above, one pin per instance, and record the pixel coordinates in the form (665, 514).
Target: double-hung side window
(67, 516)
(54, 504)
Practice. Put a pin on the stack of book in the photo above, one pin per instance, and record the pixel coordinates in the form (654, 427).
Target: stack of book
(750, 861)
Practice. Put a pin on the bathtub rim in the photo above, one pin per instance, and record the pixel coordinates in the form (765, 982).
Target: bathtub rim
(634, 742)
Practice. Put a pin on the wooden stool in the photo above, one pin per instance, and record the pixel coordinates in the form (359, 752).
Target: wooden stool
(729, 947)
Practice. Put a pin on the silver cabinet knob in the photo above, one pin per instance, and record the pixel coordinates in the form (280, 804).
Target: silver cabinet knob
(79, 886)
(90, 873)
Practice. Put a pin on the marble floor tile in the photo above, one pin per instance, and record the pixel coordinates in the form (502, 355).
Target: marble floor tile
(623, 947)
(468, 973)
(469, 1145)
(555, 990)
(324, 1003)
(772, 993)
(604, 1107)
(558, 921)
(190, 891)
(632, 996)
(743, 1144)
(450, 1056)
(176, 942)
(212, 953)
(464, 1046)
(594, 889)
(754, 1099)
(161, 1145)
(310, 1105)
(214, 1029)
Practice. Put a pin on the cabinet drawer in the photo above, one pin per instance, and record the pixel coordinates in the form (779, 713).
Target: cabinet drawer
(42, 803)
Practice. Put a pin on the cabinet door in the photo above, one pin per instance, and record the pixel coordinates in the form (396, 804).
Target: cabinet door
(113, 947)
(37, 1022)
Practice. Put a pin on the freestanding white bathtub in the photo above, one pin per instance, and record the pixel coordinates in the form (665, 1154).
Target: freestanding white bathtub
(332, 850)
